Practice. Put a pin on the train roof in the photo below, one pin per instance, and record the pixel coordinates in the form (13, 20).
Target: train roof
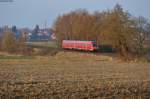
(81, 40)
(77, 41)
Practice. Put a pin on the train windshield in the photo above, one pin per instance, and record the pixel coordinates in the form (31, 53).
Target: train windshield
(94, 44)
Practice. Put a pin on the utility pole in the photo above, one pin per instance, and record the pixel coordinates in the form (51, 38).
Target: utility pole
(45, 24)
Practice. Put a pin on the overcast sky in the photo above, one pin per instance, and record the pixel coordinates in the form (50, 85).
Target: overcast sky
(28, 13)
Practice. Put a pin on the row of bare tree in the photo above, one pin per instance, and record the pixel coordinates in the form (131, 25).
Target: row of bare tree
(115, 27)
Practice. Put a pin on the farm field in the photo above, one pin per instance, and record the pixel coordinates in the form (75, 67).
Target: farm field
(73, 75)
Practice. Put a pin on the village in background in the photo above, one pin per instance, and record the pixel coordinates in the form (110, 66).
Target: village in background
(36, 34)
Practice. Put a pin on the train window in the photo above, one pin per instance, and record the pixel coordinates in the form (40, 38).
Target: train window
(94, 44)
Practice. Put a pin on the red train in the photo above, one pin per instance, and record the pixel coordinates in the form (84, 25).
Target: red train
(79, 45)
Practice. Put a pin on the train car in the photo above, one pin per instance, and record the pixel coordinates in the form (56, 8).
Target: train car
(79, 45)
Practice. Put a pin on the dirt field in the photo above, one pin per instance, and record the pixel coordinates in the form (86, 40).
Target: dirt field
(73, 76)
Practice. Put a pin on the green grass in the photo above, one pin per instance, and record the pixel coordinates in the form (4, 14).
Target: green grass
(147, 50)
(44, 44)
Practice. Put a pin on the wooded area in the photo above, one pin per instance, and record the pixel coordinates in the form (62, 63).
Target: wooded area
(115, 27)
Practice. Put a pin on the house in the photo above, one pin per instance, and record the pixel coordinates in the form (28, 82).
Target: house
(41, 35)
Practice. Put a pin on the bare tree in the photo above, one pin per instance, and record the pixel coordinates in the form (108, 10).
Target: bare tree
(141, 25)
(75, 25)
(114, 27)
(9, 42)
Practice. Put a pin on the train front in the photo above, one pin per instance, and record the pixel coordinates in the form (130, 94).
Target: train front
(95, 46)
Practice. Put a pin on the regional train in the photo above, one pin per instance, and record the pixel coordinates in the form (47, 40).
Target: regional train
(80, 45)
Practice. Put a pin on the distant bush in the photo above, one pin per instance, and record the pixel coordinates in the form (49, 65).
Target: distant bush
(44, 51)
(22, 47)
(8, 42)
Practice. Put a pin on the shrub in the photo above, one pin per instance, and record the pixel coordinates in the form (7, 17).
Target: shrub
(44, 51)
(9, 43)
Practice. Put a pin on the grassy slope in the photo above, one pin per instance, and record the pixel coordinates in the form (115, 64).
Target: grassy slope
(44, 44)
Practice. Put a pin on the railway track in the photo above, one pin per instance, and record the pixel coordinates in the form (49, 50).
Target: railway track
(86, 52)
(79, 51)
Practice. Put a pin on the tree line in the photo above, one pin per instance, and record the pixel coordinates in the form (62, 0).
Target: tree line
(115, 27)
